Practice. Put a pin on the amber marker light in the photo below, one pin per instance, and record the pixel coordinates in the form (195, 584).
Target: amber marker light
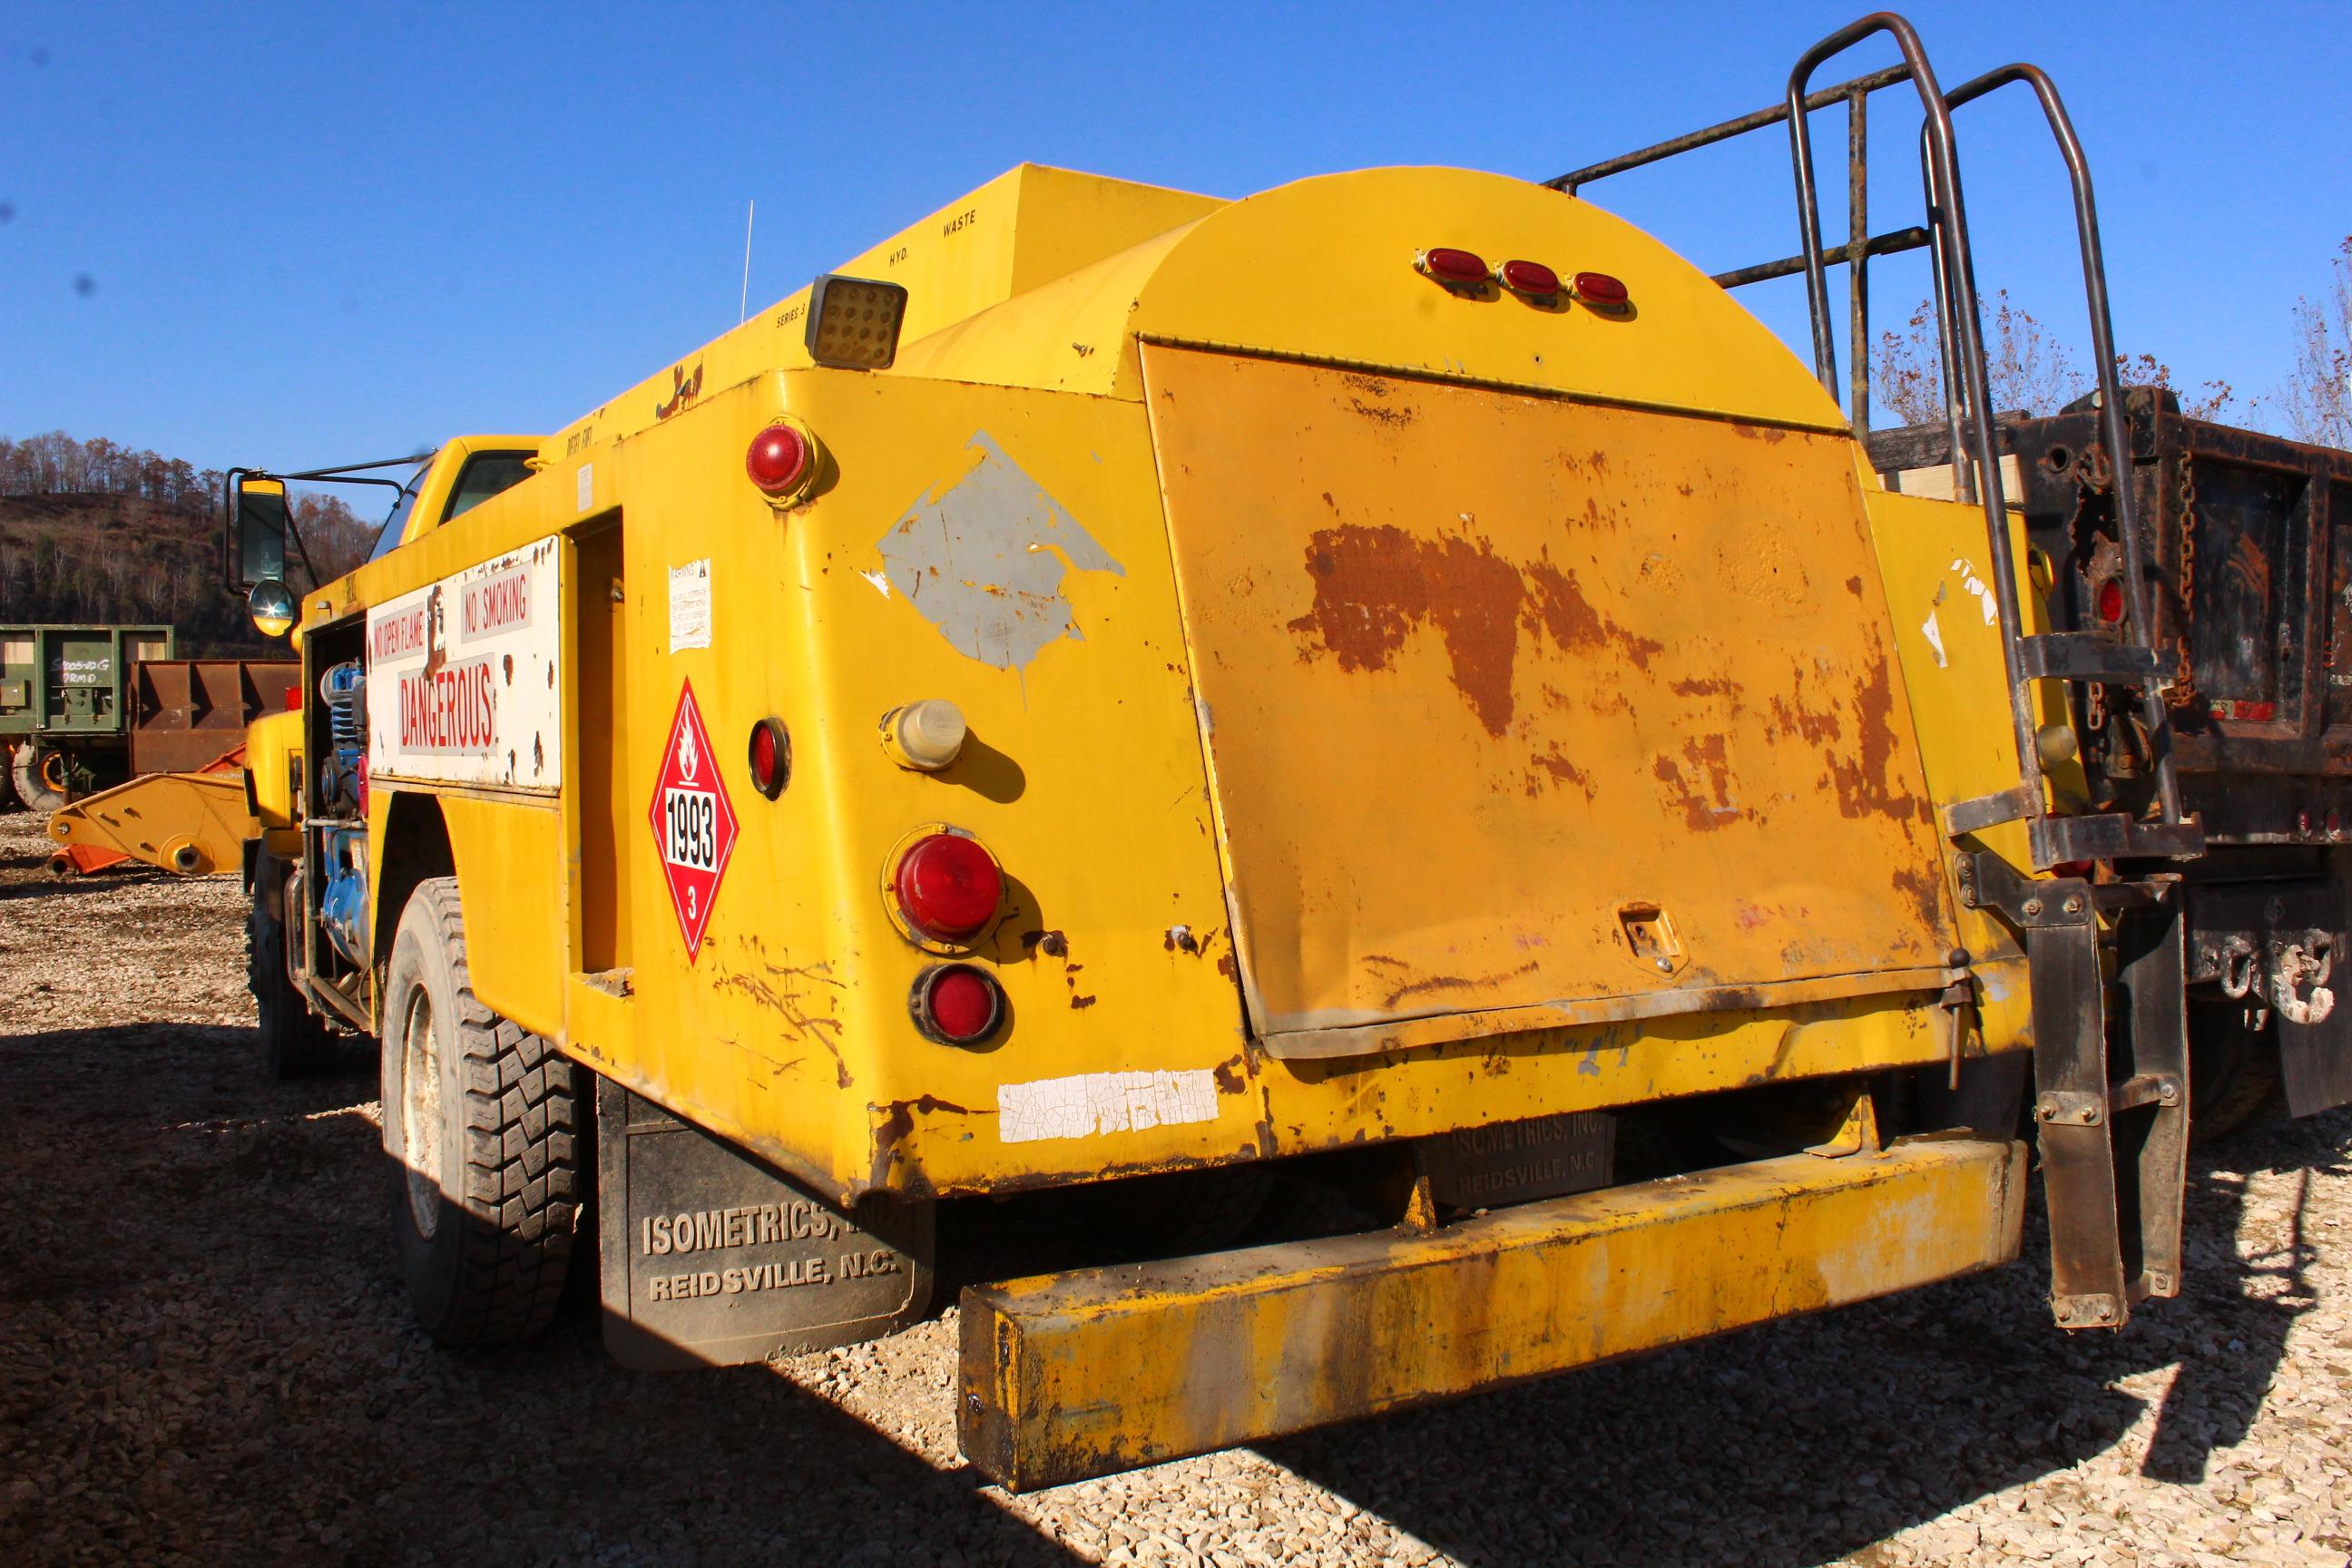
(852, 322)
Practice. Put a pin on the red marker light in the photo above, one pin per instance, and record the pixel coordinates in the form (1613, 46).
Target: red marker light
(948, 887)
(1530, 278)
(957, 1005)
(2111, 602)
(1600, 289)
(770, 758)
(779, 461)
(1449, 266)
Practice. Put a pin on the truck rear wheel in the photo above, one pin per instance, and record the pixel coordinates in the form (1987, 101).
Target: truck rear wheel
(480, 1122)
(295, 1042)
(43, 775)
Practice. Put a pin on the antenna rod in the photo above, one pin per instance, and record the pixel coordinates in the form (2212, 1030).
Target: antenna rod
(743, 312)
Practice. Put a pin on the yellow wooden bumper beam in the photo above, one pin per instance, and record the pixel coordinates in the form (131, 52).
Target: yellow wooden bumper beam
(1073, 1375)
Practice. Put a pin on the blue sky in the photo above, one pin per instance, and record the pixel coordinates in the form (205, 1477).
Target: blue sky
(328, 233)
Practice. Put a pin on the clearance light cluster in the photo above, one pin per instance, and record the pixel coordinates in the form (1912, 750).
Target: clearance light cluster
(945, 890)
(1465, 271)
(852, 322)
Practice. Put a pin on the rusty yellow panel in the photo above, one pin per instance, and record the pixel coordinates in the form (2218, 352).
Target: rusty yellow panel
(1076, 1375)
(1607, 711)
(1936, 564)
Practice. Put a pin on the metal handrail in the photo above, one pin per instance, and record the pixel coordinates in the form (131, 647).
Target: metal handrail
(1947, 221)
(2111, 404)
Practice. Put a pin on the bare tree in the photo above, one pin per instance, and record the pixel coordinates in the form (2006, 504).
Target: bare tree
(2026, 367)
(2315, 400)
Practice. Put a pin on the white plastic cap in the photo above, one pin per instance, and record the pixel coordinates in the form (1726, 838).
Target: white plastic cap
(926, 734)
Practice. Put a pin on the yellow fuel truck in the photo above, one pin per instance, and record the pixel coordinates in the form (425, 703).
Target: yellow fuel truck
(1376, 761)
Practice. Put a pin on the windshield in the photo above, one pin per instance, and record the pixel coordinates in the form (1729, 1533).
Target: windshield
(485, 474)
(395, 524)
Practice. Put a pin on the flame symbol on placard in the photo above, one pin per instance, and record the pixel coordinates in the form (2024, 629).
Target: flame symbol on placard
(688, 757)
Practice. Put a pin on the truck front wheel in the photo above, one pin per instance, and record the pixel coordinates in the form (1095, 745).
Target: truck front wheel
(294, 1040)
(481, 1130)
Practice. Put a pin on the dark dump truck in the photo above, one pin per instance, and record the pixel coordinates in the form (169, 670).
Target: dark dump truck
(2246, 546)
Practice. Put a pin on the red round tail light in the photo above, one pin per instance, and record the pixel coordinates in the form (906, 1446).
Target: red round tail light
(1529, 277)
(2111, 601)
(957, 1004)
(771, 757)
(779, 461)
(1449, 266)
(1600, 289)
(948, 887)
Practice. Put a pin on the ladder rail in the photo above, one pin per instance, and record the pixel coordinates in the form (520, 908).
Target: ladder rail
(2111, 403)
(1947, 221)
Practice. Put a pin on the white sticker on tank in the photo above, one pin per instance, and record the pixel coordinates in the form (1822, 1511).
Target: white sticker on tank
(689, 605)
(1099, 1102)
(587, 483)
(1933, 632)
(1977, 585)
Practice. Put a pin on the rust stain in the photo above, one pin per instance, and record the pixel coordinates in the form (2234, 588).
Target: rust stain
(1079, 1002)
(437, 652)
(1864, 783)
(1767, 433)
(1574, 624)
(1925, 888)
(1231, 1076)
(1561, 772)
(785, 989)
(1697, 814)
(900, 1122)
(1396, 418)
(1373, 585)
(1854, 586)
(1226, 967)
(1456, 983)
(1712, 686)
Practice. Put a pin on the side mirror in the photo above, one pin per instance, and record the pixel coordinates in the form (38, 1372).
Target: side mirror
(256, 528)
(271, 606)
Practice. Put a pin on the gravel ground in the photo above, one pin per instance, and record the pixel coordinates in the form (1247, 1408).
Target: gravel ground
(205, 1356)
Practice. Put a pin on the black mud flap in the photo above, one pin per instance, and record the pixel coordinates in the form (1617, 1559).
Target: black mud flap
(709, 1257)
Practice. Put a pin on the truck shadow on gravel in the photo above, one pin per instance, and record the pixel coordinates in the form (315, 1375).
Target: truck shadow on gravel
(199, 1290)
(205, 1354)
(1808, 1440)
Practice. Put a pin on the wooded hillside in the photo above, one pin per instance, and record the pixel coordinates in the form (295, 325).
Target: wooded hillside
(92, 531)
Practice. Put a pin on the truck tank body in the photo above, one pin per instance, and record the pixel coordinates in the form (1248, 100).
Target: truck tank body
(1396, 709)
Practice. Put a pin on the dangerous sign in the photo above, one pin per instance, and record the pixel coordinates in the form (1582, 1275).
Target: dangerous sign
(693, 823)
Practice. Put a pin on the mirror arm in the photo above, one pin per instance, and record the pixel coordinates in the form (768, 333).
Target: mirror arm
(294, 532)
